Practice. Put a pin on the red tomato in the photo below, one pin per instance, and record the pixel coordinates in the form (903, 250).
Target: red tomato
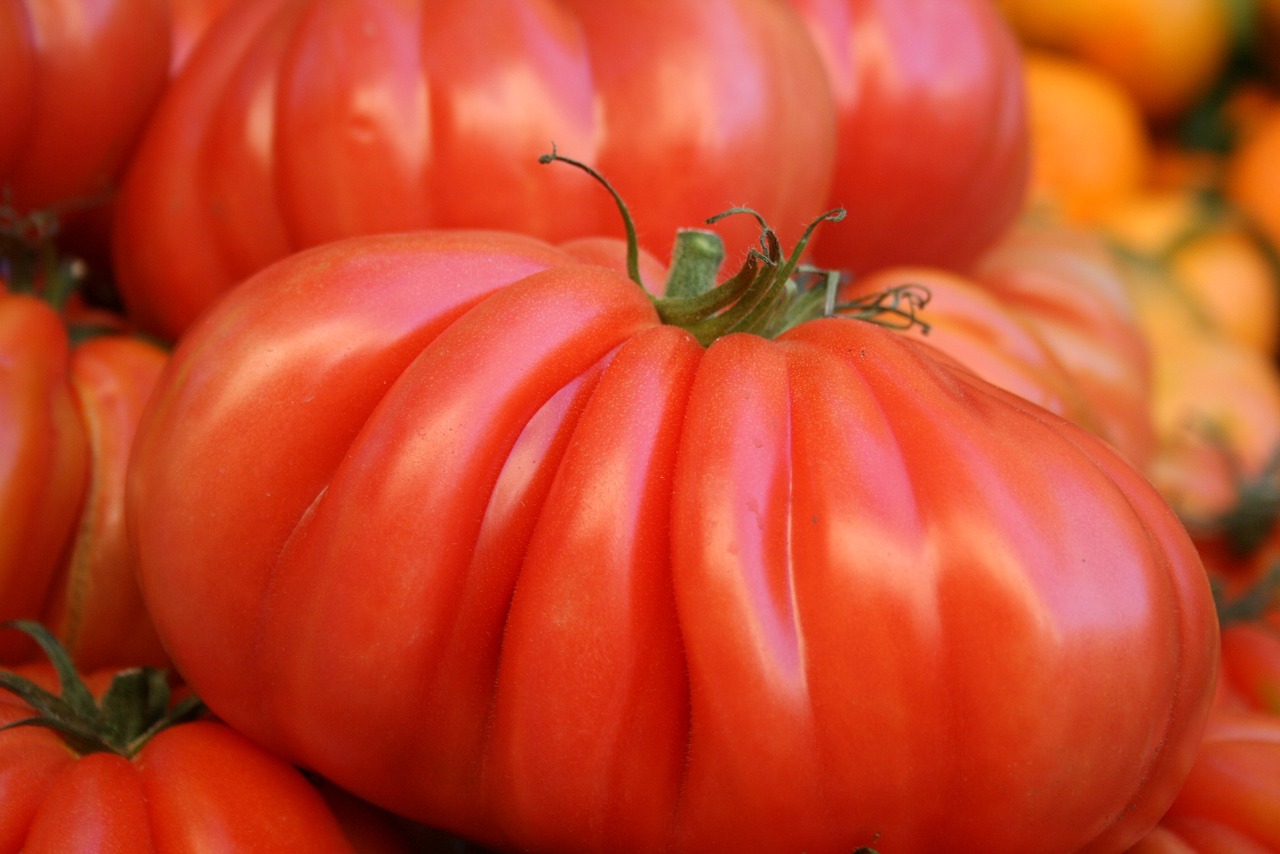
(193, 785)
(46, 459)
(461, 524)
(1067, 286)
(932, 161)
(67, 424)
(1230, 803)
(970, 324)
(78, 78)
(86, 233)
(1251, 663)
(301, 121)
(1045, 314)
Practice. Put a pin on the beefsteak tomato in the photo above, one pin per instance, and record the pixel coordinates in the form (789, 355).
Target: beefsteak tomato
(67, 420)
(1046, 314)
(932, 155)
(78, 80)
(299, 122)
(1230, 803)
(460, 523)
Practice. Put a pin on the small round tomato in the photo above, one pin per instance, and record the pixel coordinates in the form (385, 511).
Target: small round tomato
(1252, 179)
(1208, 255)
(1090, 150)
(110, 763)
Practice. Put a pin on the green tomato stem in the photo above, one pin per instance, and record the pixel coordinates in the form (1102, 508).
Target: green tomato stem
(769, 294)
(134, 708)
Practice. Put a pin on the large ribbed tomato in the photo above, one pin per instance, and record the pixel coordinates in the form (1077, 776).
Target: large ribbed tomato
(462, 524)
(78, 78)
(301, 121)
(1045, 314)
(932, 158)
(67, 419)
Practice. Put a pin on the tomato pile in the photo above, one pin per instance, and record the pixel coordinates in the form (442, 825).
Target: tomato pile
(640, 426)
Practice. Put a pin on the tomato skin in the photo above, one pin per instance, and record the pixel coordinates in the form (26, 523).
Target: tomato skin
(190, 20)
(265, 145)
(70, 413)
(932, 157)
(976, 328)
(80, 78)
(572, 582)
(95, 607)
(17, 87)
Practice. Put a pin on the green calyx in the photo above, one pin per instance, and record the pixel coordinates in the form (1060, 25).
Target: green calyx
(29, 258)
(134, 708)
(771, 293)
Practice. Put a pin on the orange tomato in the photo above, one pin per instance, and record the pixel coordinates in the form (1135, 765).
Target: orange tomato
(1266, 24)
(1216, 406)
(1166, 53)
(1208, 257)
(1089, 148)
(1253, 174)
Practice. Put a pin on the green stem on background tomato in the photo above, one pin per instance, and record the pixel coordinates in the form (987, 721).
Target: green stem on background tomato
(134, 708)
(29, 259)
